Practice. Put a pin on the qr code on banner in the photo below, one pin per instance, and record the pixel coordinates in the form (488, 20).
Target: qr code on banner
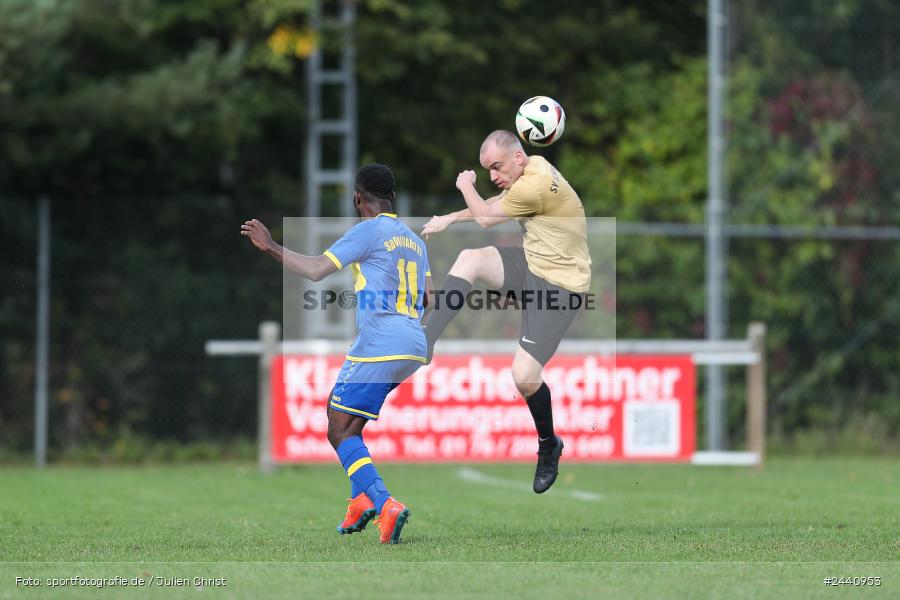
(651, 428)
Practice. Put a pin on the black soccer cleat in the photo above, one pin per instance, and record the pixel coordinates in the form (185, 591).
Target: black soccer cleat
(547, 467)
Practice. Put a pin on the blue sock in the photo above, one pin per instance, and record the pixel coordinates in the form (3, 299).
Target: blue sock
(363, 475)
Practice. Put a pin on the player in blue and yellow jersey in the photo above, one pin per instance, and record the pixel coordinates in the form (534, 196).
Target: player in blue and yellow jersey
(392, 281)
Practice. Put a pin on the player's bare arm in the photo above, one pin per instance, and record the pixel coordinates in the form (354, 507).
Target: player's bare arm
(314, 268)
(486, 215)
(439, 223)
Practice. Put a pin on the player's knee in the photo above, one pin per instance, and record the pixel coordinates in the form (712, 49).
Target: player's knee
(465, 261)
(468, 263)
(338, 429)
(527, 379)
(335, 437)
(528, 388)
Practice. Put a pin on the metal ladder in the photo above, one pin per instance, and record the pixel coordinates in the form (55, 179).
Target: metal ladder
(335, 323)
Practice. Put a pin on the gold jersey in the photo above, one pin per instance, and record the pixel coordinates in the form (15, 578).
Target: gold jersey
(553, 224)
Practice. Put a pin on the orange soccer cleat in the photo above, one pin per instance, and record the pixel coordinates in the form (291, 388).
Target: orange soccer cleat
(360, 511)
(391, 521)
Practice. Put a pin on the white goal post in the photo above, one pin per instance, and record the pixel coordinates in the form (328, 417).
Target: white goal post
(749, 352)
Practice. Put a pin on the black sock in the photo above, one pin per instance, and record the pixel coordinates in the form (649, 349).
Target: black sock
(447, 303)
(539, 405)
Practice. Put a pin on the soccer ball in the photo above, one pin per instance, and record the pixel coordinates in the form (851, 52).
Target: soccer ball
(540, 121)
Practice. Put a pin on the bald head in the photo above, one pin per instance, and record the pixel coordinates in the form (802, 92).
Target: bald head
(502, 155)
(503, 139)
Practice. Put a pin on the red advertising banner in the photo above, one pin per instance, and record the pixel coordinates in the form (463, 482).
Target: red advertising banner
(466, 408)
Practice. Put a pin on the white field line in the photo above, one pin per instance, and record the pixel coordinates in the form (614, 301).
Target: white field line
(474, 476)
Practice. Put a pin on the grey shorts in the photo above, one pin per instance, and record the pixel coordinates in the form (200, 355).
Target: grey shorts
(547, 309)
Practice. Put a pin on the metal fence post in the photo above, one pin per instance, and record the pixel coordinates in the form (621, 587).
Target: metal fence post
(43, 335)
(269, 337)
(716, 217)
(756, 392)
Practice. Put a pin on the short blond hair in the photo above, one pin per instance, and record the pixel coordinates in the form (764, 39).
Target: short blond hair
(502, 138)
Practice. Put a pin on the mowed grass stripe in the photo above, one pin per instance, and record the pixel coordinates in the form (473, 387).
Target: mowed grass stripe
(486, 580)
(792, 510)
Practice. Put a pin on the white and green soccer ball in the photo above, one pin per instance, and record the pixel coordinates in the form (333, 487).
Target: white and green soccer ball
(540, 121)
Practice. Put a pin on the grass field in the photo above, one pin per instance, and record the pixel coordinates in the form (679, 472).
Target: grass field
(603, 531)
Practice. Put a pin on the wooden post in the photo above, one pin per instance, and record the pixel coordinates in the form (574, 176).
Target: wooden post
(269, 337)
(756, 392)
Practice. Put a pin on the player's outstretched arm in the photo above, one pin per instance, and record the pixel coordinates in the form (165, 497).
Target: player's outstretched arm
(314, 268)
(439, 223)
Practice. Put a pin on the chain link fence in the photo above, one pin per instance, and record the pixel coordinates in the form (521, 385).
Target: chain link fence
(813, 114)
(131, 308)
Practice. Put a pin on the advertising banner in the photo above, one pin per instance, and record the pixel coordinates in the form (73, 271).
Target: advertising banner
(464, 408)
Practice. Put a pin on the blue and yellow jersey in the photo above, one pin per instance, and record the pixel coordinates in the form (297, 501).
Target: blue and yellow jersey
(389, 264)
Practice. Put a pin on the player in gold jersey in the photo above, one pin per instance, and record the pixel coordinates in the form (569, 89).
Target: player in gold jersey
(553, 262)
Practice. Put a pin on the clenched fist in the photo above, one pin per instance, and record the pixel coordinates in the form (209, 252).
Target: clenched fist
(464, 179)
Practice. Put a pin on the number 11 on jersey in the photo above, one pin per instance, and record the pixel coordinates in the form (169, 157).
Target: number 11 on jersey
(408, 272)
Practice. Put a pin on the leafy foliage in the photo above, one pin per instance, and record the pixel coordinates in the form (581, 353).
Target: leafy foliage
(157, 127)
